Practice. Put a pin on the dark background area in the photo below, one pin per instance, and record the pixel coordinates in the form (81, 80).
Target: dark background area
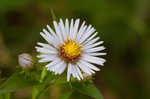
(124, 25)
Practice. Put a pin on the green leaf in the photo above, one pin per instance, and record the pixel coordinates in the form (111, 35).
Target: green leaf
(66, 91)
(88, 89)
(65, 94)
(16, 82)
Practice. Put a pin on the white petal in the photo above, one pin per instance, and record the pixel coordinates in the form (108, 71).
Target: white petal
(91, 66)
(50, 29)
(53, 63)
(93, 45)
(81, 31)
(57, 68)
(84, 68)
(76, 25)
(69, 72)
(62, 69)
(90, 38)
(51, 56)
(67, 28)
(92, 59)
(47, 46)
(43, 45)
(56, 41)
(88, 28)
(71, 29)
(87, 35)
(62, 27)
(45, 59)
(45, 50)
(52, 68)
(96, 54)
(57, 28)
(47, 33)
(79, 72)
(54, 37)
(48, 39)
(73, 71)
(95, 49)
(92, 41)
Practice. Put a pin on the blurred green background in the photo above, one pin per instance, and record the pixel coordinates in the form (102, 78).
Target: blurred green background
(124, 25)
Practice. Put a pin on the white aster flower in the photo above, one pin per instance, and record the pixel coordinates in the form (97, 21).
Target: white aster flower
(73, 47)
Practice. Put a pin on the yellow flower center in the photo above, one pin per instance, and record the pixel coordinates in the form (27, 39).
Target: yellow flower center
(70, 51)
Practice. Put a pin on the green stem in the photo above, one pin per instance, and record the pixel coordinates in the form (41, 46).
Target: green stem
(40, 89)
(45, 81)
(8, 96)
(53, 15)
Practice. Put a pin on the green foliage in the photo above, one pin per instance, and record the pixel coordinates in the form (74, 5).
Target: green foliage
(16, 82)
(66, 91)
(83, 87)
(88, 89)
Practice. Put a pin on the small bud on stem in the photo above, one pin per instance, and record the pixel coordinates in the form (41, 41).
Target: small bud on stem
(25, 60)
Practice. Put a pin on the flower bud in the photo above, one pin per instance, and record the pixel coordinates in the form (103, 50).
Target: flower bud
(25, 60)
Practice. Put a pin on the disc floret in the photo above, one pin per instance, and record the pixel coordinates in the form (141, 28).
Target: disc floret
(70, 51)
